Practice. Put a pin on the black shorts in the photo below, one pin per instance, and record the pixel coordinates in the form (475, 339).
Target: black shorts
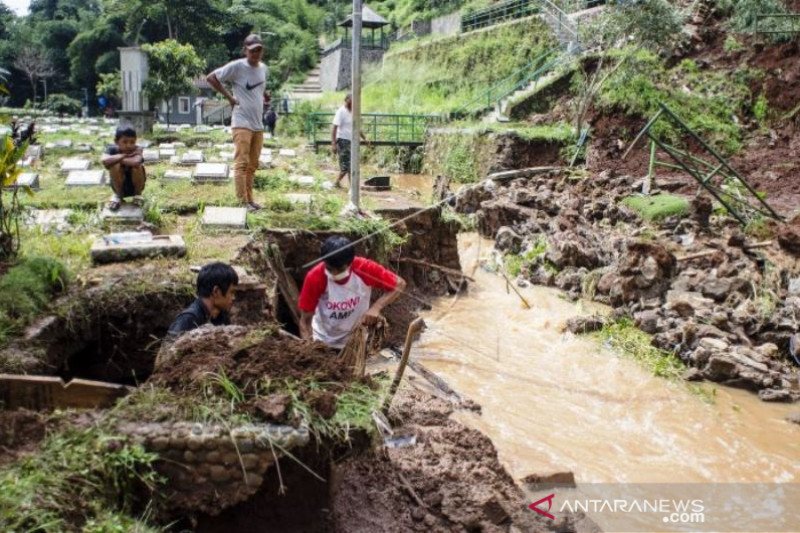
(343, 149)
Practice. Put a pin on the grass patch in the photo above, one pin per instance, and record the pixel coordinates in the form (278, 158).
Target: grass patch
(26, 289)
(624, 337)
(657, 207)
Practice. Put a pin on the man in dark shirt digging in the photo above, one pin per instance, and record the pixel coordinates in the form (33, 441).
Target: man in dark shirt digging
(216, 284)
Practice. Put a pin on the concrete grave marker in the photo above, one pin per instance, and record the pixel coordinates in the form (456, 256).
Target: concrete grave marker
(225, 217)
(226, 156)
(126, 214)
(303, 181)
(143, 144)
(64, 143)
(192, 157)
(175, 160)
(117, 247)
(166, 153)
(265, 161)
(151, 156)
(35, 151)
(51, 219)
(86, 178)
(84, 147)
(287, 152)
(27, 179)
(69, 165)
(298, 198)
(211, 172)
(179, 144)
(201, 129)
(175, 174)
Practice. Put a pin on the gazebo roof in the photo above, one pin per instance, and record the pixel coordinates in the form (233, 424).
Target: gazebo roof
(369, 19)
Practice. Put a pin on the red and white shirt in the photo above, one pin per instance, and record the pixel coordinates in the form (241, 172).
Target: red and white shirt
(339, 305)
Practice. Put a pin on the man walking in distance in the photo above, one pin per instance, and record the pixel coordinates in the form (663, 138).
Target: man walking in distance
(342, 136)
(247, 77)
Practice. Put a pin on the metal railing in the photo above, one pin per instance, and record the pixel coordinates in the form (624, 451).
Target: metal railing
(777, 23)
(509, 10)
(379, 128)
(368, 42)
(528, 74)
(566, 29)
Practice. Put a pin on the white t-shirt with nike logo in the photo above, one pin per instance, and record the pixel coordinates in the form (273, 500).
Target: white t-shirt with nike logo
(248, 88)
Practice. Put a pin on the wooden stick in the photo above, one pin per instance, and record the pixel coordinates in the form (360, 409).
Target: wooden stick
(698, 255)
(285, 282)
(411, 491)
(759, 245)
(446, 270)
(509, 284)
(435, 380)
(413, 329)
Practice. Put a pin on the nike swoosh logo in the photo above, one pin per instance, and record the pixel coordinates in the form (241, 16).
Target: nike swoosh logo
(251, 87)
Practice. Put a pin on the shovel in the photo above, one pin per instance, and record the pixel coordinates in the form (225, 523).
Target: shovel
(414, 328)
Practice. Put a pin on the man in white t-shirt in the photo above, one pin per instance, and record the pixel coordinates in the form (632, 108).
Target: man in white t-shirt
(248, 78)
(342, 136)
(336, 293)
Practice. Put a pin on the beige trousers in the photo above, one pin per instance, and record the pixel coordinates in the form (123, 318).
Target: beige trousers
(247, 150)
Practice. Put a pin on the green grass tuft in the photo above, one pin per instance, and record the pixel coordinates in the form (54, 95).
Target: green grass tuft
(632, 342)
(658, 207)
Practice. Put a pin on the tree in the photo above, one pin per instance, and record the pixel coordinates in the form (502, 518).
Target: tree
(36, 66)
(173, 69)
(110, 86)
(63, 104)
(10, 209)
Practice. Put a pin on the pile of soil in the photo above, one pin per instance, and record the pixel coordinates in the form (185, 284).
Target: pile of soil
(21, 432)
(249, 357)
(450, 480)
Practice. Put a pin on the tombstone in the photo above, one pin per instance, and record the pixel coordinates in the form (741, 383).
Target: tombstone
(303, 181)
(298, 198)
(327, 185)
(51, 219)
(226, 156)
(86, 178)
(192, 157)
(151, 156)
(64, 143)
(179, 175)
(162, 146)
(69, 165)
(175, 160)
(179, 144)
(27, 179)
(127, 214)
(84, 147)
(211, 172)
(143, 144)
(127, 246)
(35, 151)
(225, 217)
(265, 161)
(167, 153)
(26, 163)
(201, 129)
(287, 152)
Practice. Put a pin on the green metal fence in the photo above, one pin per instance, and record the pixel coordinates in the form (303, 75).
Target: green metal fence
(380, 129)
(778, 23)
(509, 10)
(532, 72)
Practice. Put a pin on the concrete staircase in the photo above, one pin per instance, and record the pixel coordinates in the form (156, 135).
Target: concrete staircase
(310, 88)
(500, 111)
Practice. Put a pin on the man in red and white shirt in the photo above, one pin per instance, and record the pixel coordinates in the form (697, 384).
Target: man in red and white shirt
(335, 297)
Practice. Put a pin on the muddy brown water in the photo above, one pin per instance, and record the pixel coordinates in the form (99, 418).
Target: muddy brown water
(554, 402)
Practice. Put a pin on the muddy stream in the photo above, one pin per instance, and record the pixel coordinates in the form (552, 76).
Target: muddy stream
(554, 402)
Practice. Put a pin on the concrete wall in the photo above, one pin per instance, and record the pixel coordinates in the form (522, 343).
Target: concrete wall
(335, 68)
(446, 24)
(134, 69)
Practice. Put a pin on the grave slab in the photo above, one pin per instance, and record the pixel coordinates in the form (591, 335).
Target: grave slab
(265, 161)
(225, 217)
(303, 181)
(27, 179)
(226, 156)
(175, 160)
(175, 174)
(298, 198)
(127, 214)
(192, 157)
(143, 144)
(64, 143)
(211, 172)
(202, 129)
(35, 151)
(68, 165)
(86, 178)
(118, 247)
(151, 156)
(166, 153)
(287, 152)
(51, 219)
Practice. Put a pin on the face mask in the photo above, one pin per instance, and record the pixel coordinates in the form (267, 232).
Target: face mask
(338, 277)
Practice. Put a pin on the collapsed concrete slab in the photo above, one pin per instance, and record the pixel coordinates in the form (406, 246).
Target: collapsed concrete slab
(127, 246)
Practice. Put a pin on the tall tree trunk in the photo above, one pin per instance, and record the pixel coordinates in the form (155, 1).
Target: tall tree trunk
(33, 87)
(169, 28)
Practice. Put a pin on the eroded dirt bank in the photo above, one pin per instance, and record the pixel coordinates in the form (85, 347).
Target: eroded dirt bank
(726, 308)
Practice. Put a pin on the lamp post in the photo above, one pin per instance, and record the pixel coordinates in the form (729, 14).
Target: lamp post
(355, 146)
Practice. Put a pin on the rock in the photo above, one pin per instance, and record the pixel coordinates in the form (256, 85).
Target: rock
(720, 368)
(717, 289)
(789, 240)
(495, 513)
(710, 343)
(794, 418)
(647, 321)
(219, 474)
(569, 280)
(508, 240)
(585, 324)
(693, 374)
(775, 395)
(768, 350)
(737, 239)
(700, 210)
(540, 482)
(680, 299)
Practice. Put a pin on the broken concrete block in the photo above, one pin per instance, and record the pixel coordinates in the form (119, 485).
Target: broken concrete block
(192, 157)
(86, 178)
(27, 179)
(117, 247)
(287, 152)
(175, 174)
(68, 165)
(127, 214)
(225, 217)
(51, 219)
(211, 172)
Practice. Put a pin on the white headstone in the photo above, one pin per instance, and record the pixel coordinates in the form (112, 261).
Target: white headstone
(265, 161)
(35, 151)
(175, 160)
(202, 129)
(298, 198)
(143, 143)
(303, 181)
(174, 174)
(64, 143)
(211, 172)
(68, 165)
(126, 214)
(287, 152)
(192, 157)
(166, 153)
(225, 217)
(52, 219)
(86, 178)
(27, 179)
(150, 156)
(226, 156)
